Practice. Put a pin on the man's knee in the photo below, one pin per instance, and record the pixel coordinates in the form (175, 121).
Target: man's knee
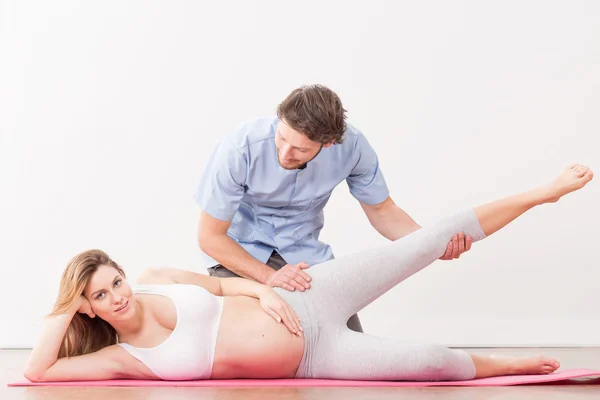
(221, 272)
(275, 261)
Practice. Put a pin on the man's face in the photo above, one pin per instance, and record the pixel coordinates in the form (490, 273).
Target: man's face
(294, 149)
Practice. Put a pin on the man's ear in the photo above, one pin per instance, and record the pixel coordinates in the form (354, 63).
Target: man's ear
(328, 144)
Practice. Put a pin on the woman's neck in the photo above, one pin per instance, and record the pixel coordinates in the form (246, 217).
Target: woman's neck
(126, 330)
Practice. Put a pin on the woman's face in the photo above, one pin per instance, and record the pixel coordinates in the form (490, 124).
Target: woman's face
(110, 295)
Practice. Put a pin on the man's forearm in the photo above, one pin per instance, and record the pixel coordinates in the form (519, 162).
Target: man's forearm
(393, 223)
(235, 258)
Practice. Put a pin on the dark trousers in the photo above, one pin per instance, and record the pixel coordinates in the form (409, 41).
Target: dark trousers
(276, 262)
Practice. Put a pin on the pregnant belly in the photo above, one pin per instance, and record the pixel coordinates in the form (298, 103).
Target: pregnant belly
(251, 344)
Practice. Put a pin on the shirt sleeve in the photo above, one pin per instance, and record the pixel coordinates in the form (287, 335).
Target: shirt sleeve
(366, 181)
(222, 185)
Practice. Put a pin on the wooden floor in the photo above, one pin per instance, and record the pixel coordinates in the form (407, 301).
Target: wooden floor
(12, 361)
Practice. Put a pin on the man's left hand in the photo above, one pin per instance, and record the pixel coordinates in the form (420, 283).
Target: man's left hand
(458, 245)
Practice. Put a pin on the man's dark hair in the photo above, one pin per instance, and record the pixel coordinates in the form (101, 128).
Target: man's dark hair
(315, 111)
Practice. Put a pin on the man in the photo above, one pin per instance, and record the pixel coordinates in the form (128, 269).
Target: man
(263, 192)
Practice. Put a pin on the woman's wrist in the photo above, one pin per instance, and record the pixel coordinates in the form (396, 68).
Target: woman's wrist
(263, 289)
(75, 306)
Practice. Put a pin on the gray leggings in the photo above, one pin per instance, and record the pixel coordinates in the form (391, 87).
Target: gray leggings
(276, 262)
(341, 287)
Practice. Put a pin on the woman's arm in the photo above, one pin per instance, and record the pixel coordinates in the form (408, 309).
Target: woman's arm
(43, 364)
(216, 286)
(270, 301)
(103, 364)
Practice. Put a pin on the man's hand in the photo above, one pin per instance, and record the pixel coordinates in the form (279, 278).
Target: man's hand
(290, 277)
(458, 245)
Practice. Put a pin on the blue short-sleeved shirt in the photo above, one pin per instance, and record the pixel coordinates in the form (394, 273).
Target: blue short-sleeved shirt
(272, 208)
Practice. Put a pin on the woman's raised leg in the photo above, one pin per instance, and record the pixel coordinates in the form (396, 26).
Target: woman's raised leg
(343, 286)
(496, 215)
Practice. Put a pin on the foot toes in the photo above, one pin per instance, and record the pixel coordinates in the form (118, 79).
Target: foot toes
(580, 171)
(549, 362)
(548, 368)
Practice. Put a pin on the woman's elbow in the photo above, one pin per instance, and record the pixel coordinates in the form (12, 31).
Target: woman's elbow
(151, 275)
(33, 375)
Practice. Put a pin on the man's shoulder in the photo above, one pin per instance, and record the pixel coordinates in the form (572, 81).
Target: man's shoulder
(352, 132)
(252, 132)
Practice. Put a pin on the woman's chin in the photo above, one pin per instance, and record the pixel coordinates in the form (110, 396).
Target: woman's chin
(125, 313)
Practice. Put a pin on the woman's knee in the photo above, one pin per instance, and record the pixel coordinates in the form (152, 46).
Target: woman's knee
(443, 364)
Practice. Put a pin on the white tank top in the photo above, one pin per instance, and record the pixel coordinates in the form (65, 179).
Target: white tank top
(188, 353)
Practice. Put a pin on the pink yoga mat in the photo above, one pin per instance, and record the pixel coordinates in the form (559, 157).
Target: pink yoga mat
(498, 381)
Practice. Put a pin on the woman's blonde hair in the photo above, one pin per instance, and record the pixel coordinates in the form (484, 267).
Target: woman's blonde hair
(84, 334)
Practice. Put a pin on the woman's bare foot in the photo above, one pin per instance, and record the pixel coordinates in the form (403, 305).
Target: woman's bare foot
(534, 365)
(572, 178)
(499, 365)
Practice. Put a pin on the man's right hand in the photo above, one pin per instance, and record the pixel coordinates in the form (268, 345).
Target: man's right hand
(290, 277)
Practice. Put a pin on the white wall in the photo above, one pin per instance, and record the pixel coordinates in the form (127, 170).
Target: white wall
(109, 110)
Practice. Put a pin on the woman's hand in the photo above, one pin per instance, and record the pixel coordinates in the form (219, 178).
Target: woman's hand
(280, 310)
(85, 307)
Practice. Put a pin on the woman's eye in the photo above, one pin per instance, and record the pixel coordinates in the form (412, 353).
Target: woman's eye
(118, 282)
(101, 295)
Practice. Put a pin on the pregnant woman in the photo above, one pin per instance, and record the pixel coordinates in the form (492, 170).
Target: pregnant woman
(179, 325)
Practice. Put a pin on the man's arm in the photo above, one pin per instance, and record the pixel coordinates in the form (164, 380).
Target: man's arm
(219, 195)
(389, 219)
(367, 185)
(213, 240)
(393, 223)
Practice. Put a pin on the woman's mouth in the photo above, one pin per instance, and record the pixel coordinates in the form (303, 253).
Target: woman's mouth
(123, 307)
